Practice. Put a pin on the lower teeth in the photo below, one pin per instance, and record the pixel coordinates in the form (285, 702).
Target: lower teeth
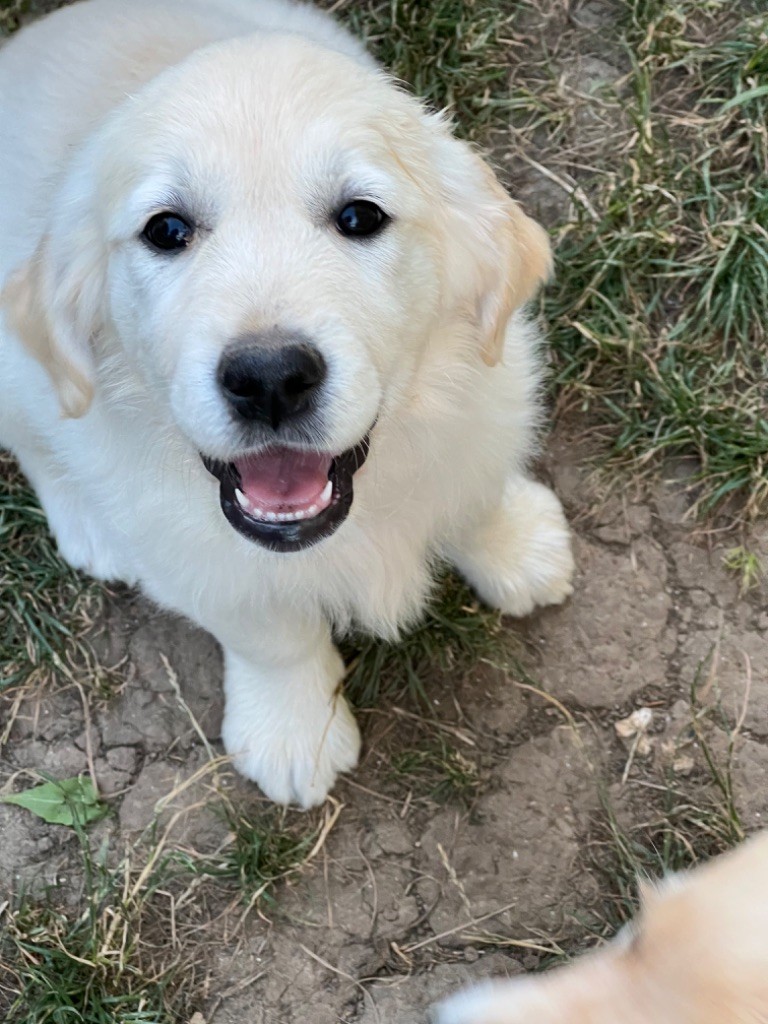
(274, 517)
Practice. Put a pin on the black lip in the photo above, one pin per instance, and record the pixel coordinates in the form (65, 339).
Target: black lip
(303, 533)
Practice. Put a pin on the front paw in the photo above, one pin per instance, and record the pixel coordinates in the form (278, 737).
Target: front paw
(89, 548)
(294, 753)
(522, 558)
(98, 561)
(541, 567)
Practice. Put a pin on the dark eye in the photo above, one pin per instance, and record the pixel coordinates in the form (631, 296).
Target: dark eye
(360, 219)
(168, 232)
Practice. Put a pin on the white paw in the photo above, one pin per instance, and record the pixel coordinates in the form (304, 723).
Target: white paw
(522, 558)
(293, 751)
(84, 545)
(82, 551)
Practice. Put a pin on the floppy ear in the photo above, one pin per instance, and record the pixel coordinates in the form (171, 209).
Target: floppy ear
(52, 303)
(497, 257)
(524, 265)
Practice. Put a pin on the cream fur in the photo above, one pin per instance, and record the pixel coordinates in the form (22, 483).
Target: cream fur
(697, 954)
(256, 113)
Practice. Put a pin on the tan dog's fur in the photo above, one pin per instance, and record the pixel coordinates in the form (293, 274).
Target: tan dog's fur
(697, 954)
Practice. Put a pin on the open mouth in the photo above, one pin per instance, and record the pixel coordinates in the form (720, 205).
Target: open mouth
(287, 499)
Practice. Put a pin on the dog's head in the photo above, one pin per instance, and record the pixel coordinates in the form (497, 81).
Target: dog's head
(590, 993)
(263, 241)
(694, 953)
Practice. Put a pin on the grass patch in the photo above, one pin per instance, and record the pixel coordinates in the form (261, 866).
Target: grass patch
(60, 970)
(454, 634)
(265, 850)
(131, 949)
(660, 306)
(680, 826)
(453, 53)
(264, 847)
(746, 565)
(439, 771)
(113, 958)
(45, 607)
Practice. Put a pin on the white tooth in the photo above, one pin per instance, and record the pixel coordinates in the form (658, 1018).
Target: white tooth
(241, 499)
(282, 516)
(257, 513)
(300, 514)
(311, 511)
(327, 492)
(271, 517)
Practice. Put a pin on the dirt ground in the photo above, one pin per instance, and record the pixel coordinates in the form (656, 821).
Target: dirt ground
(409, 895)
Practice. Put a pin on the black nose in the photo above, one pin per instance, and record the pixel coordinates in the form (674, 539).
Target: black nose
(271, 383)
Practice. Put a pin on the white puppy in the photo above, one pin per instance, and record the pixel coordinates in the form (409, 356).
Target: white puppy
(237, 263)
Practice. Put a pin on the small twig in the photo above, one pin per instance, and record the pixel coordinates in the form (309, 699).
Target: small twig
(703, 693)
(370, 792)
(630, 759)
(246, 983)
(88, 741)
(441, 726)
(343, 974)
(560, 707)
(488, 938)
(374, 887)
(173, 679)
(574, 191)
(327, 881)
(745, 704)
(330, 820)
(458, 928)
(451, 871)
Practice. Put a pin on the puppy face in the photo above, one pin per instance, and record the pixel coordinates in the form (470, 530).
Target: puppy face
(265, 240)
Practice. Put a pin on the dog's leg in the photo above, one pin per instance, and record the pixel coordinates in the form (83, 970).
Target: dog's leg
(519, 555)
(286, 723)
(83, 542)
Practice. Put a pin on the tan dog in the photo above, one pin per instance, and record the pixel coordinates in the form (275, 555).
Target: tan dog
(697, 954)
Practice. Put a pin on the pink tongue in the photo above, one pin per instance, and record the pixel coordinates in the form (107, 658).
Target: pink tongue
(283, 479)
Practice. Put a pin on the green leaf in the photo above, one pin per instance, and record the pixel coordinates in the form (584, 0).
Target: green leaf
(66, 802)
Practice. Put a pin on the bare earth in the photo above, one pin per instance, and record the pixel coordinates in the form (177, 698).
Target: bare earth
(398, 870)
(408, 897)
